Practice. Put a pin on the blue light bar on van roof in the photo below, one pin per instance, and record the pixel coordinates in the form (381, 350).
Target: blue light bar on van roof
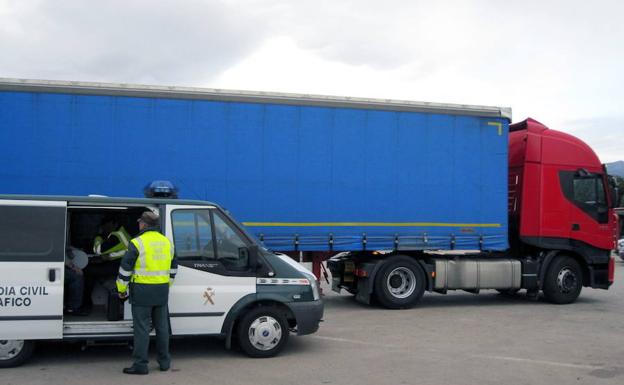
(161, 189)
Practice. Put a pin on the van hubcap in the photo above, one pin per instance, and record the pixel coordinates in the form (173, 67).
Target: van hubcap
(10, 348)
(401, 282)
(566, 280)
(265, 333)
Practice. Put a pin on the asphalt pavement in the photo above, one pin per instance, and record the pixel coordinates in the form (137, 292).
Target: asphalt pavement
(459, 338)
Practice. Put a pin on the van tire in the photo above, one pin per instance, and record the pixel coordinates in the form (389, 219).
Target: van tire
(22, 356)
(563, 281)
(400, 283)
(263, 332)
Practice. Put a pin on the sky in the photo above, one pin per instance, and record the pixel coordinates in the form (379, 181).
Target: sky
(560, 62)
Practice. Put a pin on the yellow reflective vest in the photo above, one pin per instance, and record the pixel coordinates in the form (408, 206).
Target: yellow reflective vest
(153, 264)
(116, 251)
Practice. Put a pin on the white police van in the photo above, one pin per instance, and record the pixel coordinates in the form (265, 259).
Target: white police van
(227, 284)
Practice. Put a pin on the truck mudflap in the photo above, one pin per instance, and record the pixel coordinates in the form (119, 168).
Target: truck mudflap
(601, 276)
(308, 314)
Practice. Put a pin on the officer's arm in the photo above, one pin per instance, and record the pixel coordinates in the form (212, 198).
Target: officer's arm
(97, 245)
(174, 267)
(126, 268)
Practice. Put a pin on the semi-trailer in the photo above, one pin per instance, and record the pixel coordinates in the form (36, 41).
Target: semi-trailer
(405, 197)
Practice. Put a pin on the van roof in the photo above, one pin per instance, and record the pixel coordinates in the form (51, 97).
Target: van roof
(106, 200)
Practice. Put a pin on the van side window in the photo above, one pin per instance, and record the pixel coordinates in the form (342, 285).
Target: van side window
(231, 249)
(192, 234)
(32, 234)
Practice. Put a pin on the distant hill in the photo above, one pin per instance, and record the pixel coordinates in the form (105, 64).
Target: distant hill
(616, 168)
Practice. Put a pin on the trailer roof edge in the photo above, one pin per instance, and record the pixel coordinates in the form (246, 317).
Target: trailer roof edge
(196, 93)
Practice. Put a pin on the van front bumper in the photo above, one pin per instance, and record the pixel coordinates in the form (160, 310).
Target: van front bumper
(308, 315)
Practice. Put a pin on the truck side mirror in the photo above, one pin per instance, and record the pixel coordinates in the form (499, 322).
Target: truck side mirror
(614, 190)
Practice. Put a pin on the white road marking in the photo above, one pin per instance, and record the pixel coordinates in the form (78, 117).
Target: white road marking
(502, 358)
(349, 341)
(541, 362)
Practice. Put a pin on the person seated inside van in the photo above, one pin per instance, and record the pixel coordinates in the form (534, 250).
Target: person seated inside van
(109, 245)
(75, 261)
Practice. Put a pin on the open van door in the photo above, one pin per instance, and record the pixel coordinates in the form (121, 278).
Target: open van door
(32, 253)
(213, 268)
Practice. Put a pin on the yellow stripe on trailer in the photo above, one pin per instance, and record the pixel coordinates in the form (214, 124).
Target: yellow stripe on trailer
(367, 224)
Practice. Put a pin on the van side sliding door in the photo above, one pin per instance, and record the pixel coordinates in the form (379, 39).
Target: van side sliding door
(32, 254)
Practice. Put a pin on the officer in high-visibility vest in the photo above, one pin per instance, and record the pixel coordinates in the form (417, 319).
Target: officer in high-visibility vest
(115, 244)
(148, 269)
(110, 245)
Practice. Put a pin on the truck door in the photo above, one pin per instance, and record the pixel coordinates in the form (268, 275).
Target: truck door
(32, 253)
(213, 272)
(591, 221)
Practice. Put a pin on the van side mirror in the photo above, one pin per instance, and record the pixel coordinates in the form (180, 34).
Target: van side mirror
(252, 255)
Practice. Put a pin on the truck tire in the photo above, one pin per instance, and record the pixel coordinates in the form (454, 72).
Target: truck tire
(263, 332)
(15, 352)
(400, 283)
(563, 280)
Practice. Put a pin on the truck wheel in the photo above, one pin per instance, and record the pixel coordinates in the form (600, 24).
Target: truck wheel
(400, 283)
(15, 352)
(563, 281)
(263, 332)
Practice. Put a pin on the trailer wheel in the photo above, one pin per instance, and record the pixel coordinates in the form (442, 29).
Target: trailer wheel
(15, 352)
(400, 283)
(263, 332)
(563, 281)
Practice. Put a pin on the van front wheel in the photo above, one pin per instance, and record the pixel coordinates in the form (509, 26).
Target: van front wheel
(263, 332)
(15, 352)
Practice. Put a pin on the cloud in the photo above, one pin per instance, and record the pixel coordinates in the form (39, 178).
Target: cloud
(557, 61)
(603, 133)
(128, 41)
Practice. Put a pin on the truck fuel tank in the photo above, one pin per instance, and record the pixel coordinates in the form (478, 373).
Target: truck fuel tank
(474, 274)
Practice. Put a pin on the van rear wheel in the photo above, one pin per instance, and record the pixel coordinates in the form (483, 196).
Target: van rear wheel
(15, 352)
(263, 332)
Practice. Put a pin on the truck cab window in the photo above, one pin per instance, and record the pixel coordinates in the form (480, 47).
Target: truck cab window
(231, 249)
(587, 193)
(192, 234)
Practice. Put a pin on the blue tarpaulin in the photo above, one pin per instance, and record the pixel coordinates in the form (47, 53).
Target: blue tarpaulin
(299, 177)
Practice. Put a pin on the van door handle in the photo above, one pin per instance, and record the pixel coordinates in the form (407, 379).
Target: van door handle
(51, 275)
(576, 227)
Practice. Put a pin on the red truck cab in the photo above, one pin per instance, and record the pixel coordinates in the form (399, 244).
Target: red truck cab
(560, 201)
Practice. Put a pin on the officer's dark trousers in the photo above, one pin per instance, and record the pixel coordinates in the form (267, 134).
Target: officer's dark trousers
(142, 318)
